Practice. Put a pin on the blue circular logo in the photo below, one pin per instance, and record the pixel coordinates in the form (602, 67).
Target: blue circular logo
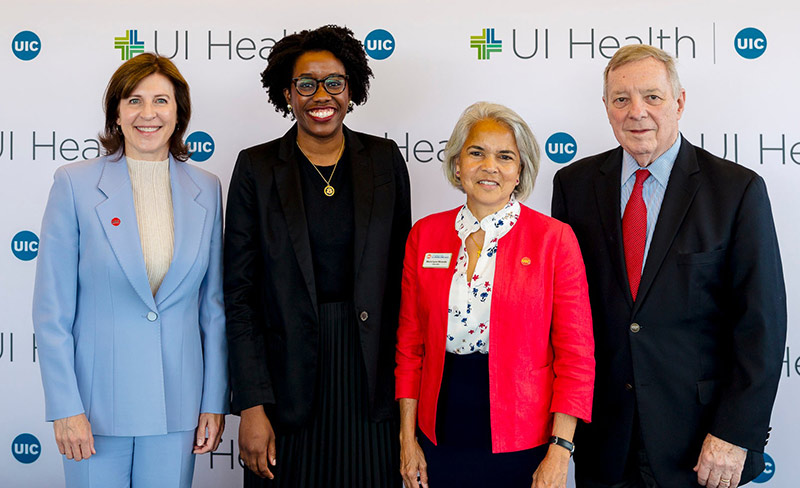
(769, 470)
(379, 44)
(26, 448)
(201, 146)
(750, 43)
(25, 245)
(26, 45)
(561, 147)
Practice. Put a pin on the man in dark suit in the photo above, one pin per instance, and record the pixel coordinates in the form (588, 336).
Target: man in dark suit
(687, 293)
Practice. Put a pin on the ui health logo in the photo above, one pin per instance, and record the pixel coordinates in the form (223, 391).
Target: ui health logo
(26, 448)
(561, 147)
(201, 146)
(25, 245)
(129, 45)
(750, 43)
(486, 43)
(26, 45)
(379, 44)
(769, 470)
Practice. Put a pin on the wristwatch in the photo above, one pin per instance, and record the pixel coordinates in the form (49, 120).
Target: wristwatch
(563, 443)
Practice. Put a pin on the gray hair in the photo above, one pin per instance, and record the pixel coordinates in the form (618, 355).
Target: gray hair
(637, 52)
(526, 143)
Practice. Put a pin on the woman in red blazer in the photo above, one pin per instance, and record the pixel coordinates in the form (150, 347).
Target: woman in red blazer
(492, 276)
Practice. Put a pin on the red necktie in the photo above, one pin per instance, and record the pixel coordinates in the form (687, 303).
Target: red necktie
(634, 232)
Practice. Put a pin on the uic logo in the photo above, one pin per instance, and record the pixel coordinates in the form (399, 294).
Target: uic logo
(750, 43)
(486, 43)
(561, 147)
(25, 245)
(201, 146)
(26, 45)
(129, 45)
(769, 470)
(379, 44)
(26, 448)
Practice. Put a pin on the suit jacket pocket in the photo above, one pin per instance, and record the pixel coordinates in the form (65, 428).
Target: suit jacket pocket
(706, 391)
(533, 393)
(703, 276)
(382, 179)
(701, 258)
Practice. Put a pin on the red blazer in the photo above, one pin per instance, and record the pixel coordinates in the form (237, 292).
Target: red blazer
(541, 347)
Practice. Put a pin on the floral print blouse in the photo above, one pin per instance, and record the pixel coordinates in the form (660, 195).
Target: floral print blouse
(470, 299)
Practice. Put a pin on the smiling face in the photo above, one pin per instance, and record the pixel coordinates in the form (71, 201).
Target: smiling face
(489, 166)
(642, 109)
(319, 115)
(148, 117)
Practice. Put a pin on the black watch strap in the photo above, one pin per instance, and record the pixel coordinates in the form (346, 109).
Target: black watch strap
(563, 443)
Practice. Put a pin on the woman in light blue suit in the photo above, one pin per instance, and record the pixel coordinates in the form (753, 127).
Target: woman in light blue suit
(128, 308)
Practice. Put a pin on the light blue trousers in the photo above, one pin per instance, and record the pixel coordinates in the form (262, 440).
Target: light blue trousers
(157, 461)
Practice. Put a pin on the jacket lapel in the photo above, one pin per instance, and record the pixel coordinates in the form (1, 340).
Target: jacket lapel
(287, 180)
(189, 218)
(363, 193)
(118, 208)
(607, 188)
(681, 189)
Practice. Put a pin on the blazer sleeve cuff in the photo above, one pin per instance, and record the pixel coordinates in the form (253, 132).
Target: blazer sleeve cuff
(216, 402)
(578, 408)
(245, 399)
(406, 391)
(59, 410)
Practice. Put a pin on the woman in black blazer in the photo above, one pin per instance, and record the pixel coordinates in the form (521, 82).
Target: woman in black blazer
(315, 232)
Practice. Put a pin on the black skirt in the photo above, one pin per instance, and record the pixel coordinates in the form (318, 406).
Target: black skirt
(339, 446)
(463, 455)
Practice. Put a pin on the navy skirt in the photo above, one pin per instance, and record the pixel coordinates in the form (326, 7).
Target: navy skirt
(339, 446)
(463, 456)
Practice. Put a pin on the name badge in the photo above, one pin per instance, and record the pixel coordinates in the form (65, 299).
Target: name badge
(437, 260)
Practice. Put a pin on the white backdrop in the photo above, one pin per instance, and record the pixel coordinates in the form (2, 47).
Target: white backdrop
(546, 63)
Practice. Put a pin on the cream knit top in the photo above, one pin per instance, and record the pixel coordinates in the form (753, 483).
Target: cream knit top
(152, 198)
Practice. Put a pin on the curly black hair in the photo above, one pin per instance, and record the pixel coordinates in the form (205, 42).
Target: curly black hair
(338, 40)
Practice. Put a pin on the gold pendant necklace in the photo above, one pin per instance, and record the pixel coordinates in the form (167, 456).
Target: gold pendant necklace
(328, 190)
(480, 248)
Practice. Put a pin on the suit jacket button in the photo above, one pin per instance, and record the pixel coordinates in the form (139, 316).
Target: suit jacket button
(363, 316)
(628, 386)
(152, 316)
(635, 327)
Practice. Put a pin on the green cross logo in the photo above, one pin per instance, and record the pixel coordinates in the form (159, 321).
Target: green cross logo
(486, 43)
(129, 45)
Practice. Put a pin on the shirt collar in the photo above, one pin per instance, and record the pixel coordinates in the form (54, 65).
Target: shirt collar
(496, 224)
(660, 169)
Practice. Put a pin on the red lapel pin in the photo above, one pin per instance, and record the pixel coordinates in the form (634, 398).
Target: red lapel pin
(115, 221)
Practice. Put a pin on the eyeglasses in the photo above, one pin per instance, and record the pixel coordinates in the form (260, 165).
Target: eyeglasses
(333, 84)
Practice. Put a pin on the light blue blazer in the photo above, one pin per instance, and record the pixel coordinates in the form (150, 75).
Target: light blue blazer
(135, 364)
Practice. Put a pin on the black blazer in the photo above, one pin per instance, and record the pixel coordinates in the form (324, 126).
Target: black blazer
(270, 294)
(711, 315)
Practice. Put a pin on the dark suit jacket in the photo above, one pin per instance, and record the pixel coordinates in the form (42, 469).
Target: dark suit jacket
(711, 311)
(270, 293)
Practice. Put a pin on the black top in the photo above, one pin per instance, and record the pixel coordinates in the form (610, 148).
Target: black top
(330, 227)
